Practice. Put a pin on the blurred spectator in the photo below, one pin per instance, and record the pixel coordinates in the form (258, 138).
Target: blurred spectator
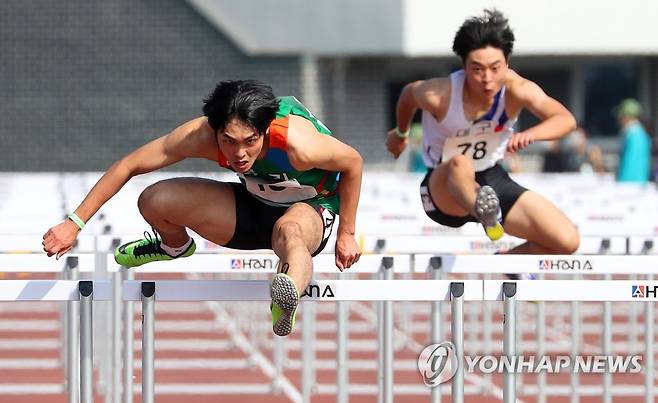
(568, 154)
(595, 160)
(416, 162)
(554, 159)
(635, 154)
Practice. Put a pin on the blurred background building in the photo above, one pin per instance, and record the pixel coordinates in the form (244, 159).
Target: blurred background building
(82, 83)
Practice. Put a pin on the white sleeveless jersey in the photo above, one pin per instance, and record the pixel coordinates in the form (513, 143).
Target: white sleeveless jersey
(483, 141)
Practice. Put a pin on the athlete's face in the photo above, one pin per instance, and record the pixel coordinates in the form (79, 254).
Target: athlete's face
(240, 144)
(485, 71)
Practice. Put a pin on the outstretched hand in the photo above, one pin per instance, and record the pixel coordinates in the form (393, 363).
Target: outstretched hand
(395, 144)
(59, 239)
(348, 251)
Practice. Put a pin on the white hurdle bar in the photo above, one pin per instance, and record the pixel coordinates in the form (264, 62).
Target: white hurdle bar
(84, 292)
(342, 290)
(259, 263)
(540, 264)
(455, 244)
(40, 263)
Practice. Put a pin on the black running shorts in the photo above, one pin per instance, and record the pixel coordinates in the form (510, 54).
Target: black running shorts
(255, 221)
(507, 190)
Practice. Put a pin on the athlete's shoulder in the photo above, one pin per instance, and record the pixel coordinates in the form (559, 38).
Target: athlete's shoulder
(192, 139)
(308, 147)
(202, 132)
(438, 86)
(432, 93)
(518, 85)
(299, 130)
(205, 139)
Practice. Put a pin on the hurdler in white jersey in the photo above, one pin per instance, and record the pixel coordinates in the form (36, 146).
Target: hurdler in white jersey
(483, 141)
(468, 125)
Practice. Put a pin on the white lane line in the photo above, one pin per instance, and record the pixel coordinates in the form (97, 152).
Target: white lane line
(32, 389)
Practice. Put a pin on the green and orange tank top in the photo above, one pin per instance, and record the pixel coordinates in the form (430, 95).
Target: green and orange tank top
(274, 181)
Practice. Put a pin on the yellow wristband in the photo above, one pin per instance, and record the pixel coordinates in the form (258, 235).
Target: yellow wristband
(77, 220)
(400, 134)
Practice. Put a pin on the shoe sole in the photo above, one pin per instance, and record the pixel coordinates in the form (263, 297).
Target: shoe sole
(487, 207)
(284, 295)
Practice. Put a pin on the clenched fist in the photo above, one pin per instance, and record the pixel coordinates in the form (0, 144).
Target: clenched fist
(60, 239)
(396, 144)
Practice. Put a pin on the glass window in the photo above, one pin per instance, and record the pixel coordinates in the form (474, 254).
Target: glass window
(605, 85)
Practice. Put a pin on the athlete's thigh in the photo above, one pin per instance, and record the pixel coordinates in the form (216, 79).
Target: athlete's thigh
(309, 221)
(203, 205)
(438, 188)
(534, 218)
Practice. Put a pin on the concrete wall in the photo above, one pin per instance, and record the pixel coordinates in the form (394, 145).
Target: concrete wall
(82, 83)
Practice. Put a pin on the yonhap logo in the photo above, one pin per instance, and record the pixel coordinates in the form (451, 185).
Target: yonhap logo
(438, 363)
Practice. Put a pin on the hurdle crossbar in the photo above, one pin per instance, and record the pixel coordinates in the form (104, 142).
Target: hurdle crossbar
(539, 264)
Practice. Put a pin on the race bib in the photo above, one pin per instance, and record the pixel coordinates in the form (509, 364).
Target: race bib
(479, 143)
(286, 191)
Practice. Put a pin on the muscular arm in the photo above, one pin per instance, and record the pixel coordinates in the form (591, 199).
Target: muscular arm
(309, 149)
(186, 141)
(556, 120)
(192, 139)
(419, 94)
(425, 95)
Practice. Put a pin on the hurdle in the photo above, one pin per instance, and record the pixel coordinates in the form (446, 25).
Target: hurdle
(69, 268)
(543, 290)
(343, 290)
(263, 263)
(251, 263)
(80, 386)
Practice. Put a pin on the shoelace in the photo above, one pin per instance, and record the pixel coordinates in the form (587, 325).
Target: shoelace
(152, 245)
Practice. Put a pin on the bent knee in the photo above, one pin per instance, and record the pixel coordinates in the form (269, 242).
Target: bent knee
(568, 243)
(288, 231)
(460, 163)
(154, 197)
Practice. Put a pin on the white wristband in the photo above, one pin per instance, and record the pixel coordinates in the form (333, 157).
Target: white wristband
(77, 220)
(400, 134)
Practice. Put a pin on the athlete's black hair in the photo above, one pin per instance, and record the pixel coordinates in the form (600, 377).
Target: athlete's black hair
(250, 101)
(491, 29)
